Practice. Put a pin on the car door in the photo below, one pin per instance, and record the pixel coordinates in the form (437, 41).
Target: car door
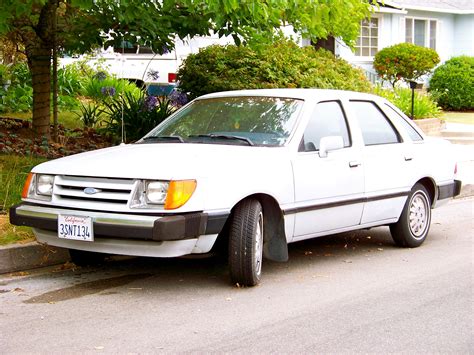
(328, 190)
(387, 163)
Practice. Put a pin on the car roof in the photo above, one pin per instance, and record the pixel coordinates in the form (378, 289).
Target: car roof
(303, 94)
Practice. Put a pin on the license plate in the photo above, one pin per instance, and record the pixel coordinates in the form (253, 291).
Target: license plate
(75, 228)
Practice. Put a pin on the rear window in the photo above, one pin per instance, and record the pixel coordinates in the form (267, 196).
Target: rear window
(409, 129)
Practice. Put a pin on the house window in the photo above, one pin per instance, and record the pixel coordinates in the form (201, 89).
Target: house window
(421, 32)
(368, 41)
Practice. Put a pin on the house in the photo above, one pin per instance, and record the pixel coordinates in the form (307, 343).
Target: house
(447, 26)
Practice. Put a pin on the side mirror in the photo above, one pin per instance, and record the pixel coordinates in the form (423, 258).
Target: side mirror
(327, 144)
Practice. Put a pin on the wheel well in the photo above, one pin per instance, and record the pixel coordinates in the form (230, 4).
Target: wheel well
(430, 186)
(275, 244)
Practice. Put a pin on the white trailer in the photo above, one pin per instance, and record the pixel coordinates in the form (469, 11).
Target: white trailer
(142, 66)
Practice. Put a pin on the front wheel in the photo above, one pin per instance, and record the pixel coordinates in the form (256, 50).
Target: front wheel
(412, 228)
(246, 243)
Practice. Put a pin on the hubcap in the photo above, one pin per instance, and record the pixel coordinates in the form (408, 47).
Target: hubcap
(418, 215)
(259, 245)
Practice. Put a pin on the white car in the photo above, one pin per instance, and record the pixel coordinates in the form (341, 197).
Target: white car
(255, 169)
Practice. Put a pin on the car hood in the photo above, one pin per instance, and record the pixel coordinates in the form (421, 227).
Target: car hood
(163, 161)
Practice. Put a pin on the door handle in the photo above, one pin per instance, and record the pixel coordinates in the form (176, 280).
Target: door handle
(354, 163)
(408, 158)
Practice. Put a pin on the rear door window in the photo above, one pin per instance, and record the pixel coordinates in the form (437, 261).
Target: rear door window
(375, 126)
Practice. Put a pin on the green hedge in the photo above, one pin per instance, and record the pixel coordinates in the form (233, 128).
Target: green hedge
(280, 65)
(453, 84)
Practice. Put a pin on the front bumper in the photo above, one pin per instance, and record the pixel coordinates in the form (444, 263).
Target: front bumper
(123, 226)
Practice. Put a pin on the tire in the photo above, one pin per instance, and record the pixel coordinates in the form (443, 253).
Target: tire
(86, 258)
(412, 228)
(246, 243)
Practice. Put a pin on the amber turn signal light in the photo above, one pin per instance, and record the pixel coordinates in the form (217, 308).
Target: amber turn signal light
(26, 187)
(179, 192)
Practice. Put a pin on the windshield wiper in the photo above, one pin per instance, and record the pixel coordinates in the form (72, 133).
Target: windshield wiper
(222, 136)
(164, 138)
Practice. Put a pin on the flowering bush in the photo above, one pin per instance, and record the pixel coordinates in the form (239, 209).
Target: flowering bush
(140, 114)
(178, 98)
(101, 87)
(404, 61)
(108, 91)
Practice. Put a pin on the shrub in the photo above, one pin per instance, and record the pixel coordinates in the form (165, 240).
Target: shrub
(404, 61)
(279, 65)
(67, 103)
(453, 83)
(140, 114)
(70, 80)
(18, 98)
(425, 106)
(102, 87)
(20, 74)
(4, 74)
(19, 95)
(90, 114)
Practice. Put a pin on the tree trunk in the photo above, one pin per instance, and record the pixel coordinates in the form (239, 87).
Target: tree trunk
(39, 61)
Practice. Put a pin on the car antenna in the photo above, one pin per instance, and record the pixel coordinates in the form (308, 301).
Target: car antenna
(121, 94)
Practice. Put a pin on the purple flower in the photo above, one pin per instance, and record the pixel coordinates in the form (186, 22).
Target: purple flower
(178, 98)
(150, 103)
(100, 75)
(108, 91)
(153, 74)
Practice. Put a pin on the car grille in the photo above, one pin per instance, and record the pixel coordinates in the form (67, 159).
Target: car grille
(72, 191)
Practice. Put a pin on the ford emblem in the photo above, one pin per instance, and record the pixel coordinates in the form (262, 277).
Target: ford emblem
(91, 190)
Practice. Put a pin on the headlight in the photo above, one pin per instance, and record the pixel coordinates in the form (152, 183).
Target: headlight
(44, 185)
(38, 186)
(167, 194)
(155, 192)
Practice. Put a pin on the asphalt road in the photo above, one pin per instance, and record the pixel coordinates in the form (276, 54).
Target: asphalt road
(350, 293)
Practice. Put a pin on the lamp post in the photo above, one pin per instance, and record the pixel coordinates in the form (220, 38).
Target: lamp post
(412, 87)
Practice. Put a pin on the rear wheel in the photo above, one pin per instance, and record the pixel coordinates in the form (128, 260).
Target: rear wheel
(86, 258)
(246, 243)
(412, 228)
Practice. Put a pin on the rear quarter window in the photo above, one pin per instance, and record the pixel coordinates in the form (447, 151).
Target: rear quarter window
(402, 121)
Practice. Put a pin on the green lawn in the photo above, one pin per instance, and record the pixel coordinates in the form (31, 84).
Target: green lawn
(68, 119)
(12, 234)
(459, 117)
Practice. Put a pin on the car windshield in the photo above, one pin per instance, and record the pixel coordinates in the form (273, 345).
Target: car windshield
(255, 120)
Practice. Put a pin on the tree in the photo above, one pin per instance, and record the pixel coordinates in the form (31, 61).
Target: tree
(404, 61)
(83, 25)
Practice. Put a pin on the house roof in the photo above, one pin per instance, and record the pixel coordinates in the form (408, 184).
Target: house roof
(447, 6)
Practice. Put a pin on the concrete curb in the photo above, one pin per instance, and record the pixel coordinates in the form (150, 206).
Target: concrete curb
(19, 257)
